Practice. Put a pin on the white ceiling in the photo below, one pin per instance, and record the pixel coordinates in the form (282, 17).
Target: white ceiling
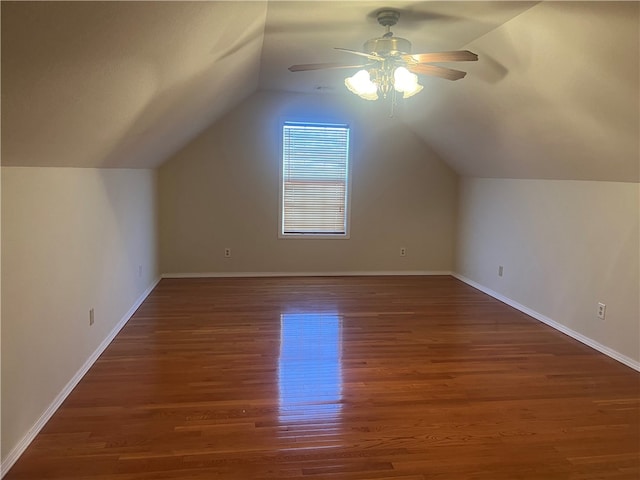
(127, 84)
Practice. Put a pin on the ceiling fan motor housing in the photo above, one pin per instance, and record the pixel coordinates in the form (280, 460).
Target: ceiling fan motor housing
(388, 17)
(385, 46)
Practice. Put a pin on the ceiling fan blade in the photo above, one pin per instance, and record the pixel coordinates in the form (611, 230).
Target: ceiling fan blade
(457, 56)
(355, 52)
(442, 72)
(321, 66)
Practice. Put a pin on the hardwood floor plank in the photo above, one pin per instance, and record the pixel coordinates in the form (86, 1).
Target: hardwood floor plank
(349, 378)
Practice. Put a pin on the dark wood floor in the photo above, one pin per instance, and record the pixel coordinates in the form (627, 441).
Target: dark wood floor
(371, 378)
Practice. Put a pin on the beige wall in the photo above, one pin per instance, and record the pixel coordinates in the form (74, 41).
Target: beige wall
(72, 239)
(564, 245)
(222, 191)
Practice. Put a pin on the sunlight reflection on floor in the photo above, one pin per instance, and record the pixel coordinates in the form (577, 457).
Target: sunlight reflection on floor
(309, 368)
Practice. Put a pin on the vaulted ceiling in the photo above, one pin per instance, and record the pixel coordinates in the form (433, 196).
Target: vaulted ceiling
(127, 84)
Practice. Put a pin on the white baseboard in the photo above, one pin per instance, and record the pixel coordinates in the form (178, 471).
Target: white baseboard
(19, 449)
(629, 362)
(302, 274)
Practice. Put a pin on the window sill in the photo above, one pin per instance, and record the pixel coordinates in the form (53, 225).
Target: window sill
(314, 236)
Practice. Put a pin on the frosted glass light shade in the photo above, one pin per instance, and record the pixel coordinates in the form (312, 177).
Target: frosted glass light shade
(361, 85)
(406, 82)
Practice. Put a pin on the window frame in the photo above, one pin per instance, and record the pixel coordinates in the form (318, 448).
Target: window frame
(348, 194)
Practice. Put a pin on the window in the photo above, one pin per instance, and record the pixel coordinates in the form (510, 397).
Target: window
(315, 165)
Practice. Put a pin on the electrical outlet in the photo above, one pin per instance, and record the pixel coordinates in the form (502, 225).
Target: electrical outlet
(500, 270)
(227, 253)
(91, 317)
(403, 252)
(602, 310)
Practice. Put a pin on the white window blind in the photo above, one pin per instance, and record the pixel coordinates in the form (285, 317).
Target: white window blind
(315, 165)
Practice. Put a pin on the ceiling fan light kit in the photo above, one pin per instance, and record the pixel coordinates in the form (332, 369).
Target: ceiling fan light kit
(403, 81)
(391, 67)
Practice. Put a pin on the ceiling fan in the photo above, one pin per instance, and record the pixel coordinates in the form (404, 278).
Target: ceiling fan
(390, 65)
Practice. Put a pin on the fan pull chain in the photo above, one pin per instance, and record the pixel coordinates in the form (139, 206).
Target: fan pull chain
(393, 103)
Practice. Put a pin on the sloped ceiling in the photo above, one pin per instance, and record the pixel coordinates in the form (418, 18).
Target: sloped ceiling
(121, 84)
(555, 96)
(127, 84)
